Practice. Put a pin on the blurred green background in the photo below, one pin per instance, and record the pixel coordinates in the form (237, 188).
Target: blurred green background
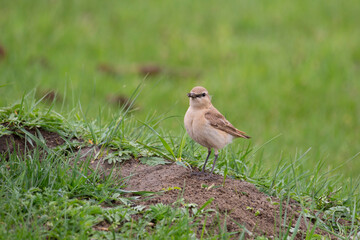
(272, 67)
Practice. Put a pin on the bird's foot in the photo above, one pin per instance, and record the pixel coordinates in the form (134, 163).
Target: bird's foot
(209, 176)
(204, 175)
(197, 173)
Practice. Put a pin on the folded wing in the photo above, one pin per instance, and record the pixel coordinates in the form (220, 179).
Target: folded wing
(218, 121)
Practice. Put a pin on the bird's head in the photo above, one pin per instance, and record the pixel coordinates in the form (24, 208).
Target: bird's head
(199, 97)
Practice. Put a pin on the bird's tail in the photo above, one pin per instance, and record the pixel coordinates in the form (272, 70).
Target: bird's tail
(244, 136)
(241, 134)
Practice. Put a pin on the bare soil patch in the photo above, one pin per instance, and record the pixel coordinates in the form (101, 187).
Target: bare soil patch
(239, 200)
(18, 141)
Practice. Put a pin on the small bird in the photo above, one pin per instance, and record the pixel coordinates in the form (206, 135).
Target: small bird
(207, 126)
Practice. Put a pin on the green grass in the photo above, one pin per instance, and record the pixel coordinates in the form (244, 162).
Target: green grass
(62, 202)
(53, 194)
(273, 68)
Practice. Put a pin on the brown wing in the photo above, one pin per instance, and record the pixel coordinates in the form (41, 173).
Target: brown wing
(217, 120)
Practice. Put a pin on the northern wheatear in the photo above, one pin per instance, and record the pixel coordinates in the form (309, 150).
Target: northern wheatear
(207, 126)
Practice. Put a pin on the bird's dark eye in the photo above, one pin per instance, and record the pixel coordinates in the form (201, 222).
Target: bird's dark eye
(203, 94)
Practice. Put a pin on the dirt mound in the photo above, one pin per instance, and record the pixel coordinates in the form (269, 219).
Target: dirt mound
(21, 143)
(239, 200)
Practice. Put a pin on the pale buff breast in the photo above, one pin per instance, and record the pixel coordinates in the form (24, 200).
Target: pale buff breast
(200, 130)
(188, 122)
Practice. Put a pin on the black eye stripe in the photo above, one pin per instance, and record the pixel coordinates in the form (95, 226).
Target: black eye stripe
(200, 95)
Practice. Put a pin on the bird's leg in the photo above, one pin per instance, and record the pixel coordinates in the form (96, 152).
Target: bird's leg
(216, 156)
(207, 158)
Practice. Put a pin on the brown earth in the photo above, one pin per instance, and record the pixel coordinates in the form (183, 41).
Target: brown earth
(8, 143)
(241, 202)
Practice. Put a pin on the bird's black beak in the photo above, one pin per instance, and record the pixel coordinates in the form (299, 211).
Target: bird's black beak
(191, 95)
